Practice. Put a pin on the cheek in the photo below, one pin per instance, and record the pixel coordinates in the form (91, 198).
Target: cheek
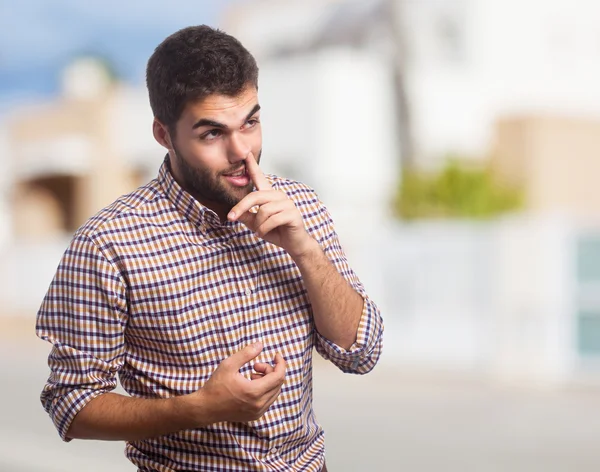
(256, 146)
(258, 137)
(207, 155)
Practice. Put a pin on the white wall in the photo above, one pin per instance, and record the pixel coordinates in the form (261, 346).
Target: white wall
(437, 297)
(535, 285)
(494, 297)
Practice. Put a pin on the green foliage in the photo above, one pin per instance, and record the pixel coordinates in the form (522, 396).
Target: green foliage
(458, 191)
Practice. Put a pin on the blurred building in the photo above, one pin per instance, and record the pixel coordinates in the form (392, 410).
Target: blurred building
(68, 159)
(73, 156)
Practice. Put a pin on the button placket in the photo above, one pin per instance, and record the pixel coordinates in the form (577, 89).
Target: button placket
(256, 266)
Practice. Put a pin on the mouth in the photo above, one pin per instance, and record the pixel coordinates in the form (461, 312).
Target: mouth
(238, 173)
(239, 178)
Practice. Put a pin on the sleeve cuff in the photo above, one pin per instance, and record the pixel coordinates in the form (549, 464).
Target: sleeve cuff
(362, 356)
(64, 409)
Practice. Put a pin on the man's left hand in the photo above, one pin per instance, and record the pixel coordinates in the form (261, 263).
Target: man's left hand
(277, 219)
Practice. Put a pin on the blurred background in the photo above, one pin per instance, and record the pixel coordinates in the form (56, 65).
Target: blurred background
(457, 145)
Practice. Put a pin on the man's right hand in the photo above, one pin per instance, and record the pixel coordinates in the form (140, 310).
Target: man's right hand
(229, 396)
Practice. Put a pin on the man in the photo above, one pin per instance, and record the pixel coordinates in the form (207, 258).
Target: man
(205, 290)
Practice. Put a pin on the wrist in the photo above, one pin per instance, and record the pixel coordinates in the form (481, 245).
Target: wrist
(307, 251)
(194, 410)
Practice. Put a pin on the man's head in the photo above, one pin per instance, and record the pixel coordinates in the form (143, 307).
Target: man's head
(203, 87)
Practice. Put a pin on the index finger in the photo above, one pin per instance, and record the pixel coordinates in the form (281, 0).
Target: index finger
(257, 176)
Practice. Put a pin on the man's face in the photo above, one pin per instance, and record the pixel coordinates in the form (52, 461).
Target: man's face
(212, 141)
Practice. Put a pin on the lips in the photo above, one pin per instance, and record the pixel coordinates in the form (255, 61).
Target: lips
(239, 178)
(238, 173)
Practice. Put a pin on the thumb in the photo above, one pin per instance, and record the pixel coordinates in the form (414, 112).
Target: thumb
(243, 356)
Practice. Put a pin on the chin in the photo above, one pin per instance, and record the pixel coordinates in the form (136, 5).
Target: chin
(236, 196)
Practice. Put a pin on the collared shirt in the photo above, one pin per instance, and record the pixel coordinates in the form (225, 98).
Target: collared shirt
(155, 289)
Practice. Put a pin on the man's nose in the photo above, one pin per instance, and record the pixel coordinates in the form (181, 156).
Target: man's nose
(239, 147)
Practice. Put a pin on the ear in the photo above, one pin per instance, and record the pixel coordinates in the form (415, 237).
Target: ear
(161, 134)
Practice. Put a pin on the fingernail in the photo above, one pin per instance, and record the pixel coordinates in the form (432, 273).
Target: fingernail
(231, 215)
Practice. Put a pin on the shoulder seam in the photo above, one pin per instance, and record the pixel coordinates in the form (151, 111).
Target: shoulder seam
(95, 223)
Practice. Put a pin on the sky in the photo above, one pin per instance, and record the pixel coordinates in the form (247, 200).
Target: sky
(39, 37)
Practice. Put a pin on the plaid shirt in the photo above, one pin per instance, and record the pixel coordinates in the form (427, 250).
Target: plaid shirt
(155, 289)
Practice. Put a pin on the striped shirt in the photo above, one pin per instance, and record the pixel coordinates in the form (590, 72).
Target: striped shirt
(155, 289)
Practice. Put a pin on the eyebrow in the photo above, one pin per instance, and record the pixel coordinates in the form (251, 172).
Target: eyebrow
(216, 124)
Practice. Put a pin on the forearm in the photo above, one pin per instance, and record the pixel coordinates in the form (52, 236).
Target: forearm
(337, 307)
(115, 417)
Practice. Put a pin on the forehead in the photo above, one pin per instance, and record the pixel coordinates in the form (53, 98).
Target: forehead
(222, 108)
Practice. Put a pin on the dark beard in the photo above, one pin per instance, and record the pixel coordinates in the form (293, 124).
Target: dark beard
(206, 187)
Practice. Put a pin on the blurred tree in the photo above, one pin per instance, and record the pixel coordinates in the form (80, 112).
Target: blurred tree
(459, 190)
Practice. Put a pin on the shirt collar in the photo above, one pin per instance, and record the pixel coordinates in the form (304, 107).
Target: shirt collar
(188, 206)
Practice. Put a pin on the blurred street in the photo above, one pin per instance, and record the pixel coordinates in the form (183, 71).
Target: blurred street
(387, 421)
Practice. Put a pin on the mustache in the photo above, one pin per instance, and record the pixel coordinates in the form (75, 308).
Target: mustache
(233, 170)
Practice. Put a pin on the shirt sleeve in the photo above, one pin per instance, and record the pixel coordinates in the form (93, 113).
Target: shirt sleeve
(83, 316)
(362, 356)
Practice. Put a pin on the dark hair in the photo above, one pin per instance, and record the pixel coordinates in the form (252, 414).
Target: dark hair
(193, 63)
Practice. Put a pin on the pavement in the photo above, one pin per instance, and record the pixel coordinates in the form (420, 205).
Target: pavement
(393, 419)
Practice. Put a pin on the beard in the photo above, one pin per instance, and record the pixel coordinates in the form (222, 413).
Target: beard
(209, 187)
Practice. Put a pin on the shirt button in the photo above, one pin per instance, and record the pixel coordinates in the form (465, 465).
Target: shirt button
(273, 450)
(248, 291)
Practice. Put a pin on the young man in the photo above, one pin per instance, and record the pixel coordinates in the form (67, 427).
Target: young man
(205, 290)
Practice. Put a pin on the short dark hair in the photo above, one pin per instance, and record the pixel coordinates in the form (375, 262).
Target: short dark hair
(193, 63)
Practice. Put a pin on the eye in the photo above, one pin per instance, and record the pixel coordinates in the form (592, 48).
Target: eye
(210, 135)
(251, 123)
